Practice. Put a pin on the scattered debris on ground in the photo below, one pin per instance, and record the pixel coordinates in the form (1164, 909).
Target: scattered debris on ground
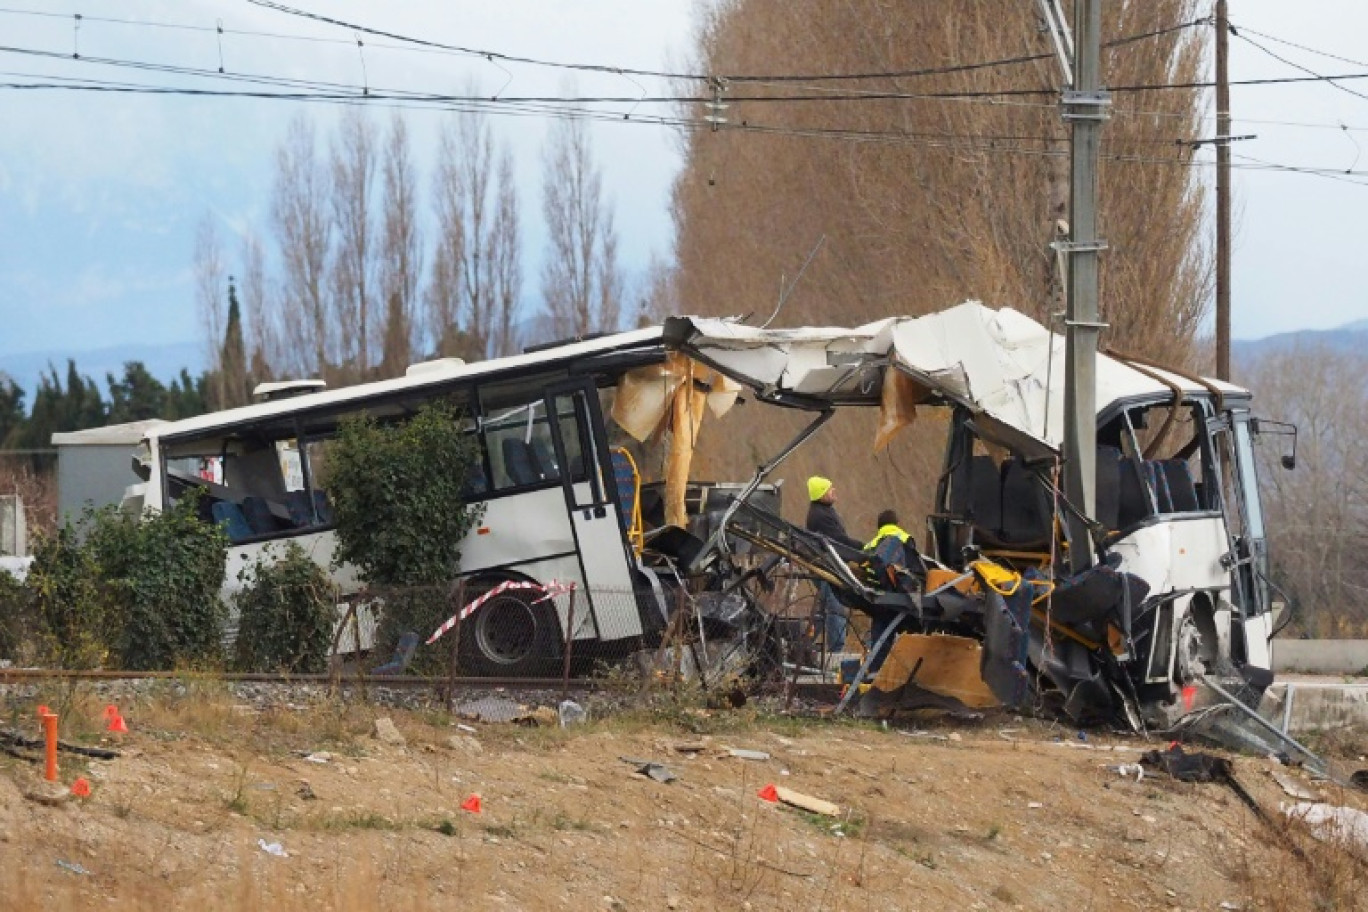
(221, 803)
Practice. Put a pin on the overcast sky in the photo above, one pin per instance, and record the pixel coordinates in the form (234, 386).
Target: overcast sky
(100, 193)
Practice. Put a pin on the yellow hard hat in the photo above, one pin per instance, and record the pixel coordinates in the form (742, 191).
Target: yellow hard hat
(818, 487)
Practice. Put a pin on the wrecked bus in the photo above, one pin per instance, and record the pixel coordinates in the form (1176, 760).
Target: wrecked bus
(1178, 591)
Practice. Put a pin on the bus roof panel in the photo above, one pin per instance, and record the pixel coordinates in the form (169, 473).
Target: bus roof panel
(999, 363)
(561, 357)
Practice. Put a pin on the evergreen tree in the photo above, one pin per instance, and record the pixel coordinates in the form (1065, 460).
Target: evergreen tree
(58, 408)
(138, 396)
(11, 410)
(233, 387)
(187, 396)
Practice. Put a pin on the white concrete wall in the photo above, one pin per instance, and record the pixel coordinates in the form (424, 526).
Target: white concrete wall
(1333, 657)
(13, 526)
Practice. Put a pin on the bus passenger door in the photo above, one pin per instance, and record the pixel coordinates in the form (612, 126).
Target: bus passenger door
(577, 434)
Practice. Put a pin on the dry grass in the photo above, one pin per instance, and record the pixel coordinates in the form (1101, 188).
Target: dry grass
(925, 824)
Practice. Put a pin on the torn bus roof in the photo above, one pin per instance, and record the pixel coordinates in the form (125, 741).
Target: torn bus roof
(1000, 364)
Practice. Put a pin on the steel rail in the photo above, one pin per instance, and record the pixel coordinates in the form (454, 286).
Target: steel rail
(20, 675)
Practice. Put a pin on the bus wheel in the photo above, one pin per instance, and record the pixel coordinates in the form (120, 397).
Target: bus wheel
(510, 636)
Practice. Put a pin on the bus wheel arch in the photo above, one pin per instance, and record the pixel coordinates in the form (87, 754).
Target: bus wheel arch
(511, 635)
(1198, 646)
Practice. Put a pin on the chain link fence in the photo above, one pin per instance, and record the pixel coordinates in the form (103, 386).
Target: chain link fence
(758, 634)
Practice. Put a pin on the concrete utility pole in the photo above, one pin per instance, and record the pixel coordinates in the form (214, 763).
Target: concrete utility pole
(1222, 194)
(1085, 107)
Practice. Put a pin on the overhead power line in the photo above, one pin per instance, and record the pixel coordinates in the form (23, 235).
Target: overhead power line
(736, 78)
(1240, 30)
(1296, 66)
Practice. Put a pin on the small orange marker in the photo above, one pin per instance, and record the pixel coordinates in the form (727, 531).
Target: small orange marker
(50, 742)
(81, 788)
(472, 804)
(769, 793)
(118, 725)
(43, 711)
(1189, 695)
(111, 711)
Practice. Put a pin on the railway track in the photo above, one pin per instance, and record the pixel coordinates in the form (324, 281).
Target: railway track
(22, 675)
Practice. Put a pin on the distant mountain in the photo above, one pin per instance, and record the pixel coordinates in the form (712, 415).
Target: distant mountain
(1349, 337)
(163, 361)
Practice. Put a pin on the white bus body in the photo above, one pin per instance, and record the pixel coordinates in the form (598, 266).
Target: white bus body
(258, 469)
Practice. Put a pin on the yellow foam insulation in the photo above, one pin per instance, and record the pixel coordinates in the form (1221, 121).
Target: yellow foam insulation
(673, 395)
(897, 405)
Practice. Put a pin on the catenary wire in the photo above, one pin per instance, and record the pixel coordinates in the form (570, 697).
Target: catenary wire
(1296, 66)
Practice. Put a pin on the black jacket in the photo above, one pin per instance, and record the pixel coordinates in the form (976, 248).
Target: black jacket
(823, 519)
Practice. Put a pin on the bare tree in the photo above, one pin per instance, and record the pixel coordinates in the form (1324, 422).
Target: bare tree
(304, 238)
(580, 282)
(1316, 515)
(660, 293)
(927, 201)
(506, 261)
(209, 296)
(477, 265)
(261, 338)
(353, 284)
(444, 288)
(401, 255)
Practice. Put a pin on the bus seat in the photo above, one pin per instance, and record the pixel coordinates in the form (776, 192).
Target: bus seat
(1109, 486)
(1026, 513)
(1182, 490)
(544, 459)
(297, 502)
(627, 481)
(1133, 500)
(1159, 482)
(257, 512)
(229, 515)
(520, 462)
(476, 483)
(323, 507)
(977, 496)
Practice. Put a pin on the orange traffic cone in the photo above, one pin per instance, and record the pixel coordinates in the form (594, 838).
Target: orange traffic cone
(472, 804)
(117, 724)
(81, 788)
(769, 793)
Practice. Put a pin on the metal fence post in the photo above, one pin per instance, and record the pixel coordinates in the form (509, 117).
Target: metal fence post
(454, 662)
(569, 643)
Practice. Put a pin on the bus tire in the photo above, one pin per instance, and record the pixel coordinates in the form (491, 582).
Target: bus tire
(511, 636)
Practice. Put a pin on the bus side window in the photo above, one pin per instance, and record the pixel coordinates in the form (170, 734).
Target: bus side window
(518, 443)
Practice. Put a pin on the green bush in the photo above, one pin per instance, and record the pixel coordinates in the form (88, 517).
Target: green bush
(286, 615)
(71, 597)
(21, 631)
(140, 593)
(166, 570)
(400, 514)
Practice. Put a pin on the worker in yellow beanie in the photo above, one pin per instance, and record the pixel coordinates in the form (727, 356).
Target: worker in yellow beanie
(823, 519)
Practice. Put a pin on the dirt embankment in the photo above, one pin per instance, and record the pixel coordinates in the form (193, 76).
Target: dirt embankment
(1001, 816)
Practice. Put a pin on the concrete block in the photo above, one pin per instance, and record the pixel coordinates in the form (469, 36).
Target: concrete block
(13, 526)
(1332, 657)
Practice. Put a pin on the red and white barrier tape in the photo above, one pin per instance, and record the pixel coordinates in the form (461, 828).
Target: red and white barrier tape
(550, 590)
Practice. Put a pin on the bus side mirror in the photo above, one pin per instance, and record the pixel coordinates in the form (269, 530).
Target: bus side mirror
(1282, 428)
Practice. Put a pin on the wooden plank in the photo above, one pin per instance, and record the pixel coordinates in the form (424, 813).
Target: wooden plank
(807, 802)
